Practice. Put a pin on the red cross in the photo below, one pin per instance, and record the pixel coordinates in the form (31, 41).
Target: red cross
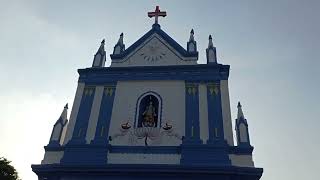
(156, 14)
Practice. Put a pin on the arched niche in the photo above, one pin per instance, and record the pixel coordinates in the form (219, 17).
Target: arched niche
(148, 110)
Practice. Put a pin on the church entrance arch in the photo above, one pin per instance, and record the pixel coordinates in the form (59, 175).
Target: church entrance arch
(148, 110)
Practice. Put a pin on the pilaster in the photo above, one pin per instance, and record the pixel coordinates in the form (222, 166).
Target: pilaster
(192, 128)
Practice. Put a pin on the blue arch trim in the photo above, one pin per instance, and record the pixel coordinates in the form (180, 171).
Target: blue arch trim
(137, 106)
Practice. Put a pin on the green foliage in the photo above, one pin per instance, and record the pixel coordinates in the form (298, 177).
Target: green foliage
(7, 171)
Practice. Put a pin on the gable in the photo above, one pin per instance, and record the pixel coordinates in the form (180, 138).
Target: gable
(155, 48)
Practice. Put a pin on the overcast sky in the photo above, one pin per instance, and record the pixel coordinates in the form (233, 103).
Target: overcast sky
(272, 46)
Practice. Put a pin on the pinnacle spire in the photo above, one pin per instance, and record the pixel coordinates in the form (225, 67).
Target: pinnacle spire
(192, 44)
(64, 114)
(119, 47)
(191, 35)
(240, 112)
(101, 48)
(210, 41)
(120, 41)
(211, 52)
(100, 57)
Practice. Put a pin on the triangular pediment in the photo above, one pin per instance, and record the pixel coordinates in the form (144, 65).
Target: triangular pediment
(155, 48)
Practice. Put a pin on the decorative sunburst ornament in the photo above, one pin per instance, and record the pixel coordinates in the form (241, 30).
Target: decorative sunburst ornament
(153, 53)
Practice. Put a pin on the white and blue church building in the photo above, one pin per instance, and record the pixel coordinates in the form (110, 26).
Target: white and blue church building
(155, 113)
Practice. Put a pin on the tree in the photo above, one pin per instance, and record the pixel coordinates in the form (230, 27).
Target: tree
(7, 171)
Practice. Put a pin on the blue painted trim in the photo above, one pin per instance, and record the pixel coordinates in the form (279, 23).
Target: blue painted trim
(240, 150)
(142, 171)
(155, 29)
(137, 106)
(197, 73)
(145, 149)
(54, 143)
(205, 154)
(54, 148)
(178, 55)
(84, 154)
(105, 113)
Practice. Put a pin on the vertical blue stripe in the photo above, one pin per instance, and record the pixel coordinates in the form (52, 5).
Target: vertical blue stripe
(105, 112)
(215, 119)
(81, 126)
(192, 127)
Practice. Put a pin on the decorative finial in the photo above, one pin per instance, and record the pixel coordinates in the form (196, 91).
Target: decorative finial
(120, 41)
(101, 48)
(156, 14)
(242, 129)
(240, 112)
(64, 114)
(210, 41)
(192, 44)
(211, 52)
(119, 47)
(100, 57)
(191, 35)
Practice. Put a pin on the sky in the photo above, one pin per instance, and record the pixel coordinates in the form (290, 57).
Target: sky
(272, 46)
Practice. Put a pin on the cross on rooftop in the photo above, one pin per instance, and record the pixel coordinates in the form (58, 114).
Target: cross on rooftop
(156, 14)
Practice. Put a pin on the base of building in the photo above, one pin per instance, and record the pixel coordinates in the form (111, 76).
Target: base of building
(141, 171)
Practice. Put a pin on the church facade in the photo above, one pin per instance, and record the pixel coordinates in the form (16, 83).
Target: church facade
(154, 113)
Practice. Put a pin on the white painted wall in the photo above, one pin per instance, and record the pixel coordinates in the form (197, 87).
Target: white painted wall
(241, 160)
(192, 47)
(243, 133)
(173, 103)
(117, 50)
(203, 113)
(74, 112)
(63, 134)
(121, 158)
(56, 132)
(154, 46)
(211, 56)
(97, 60)
(94, 114)
(52, 157)
(226, 113)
